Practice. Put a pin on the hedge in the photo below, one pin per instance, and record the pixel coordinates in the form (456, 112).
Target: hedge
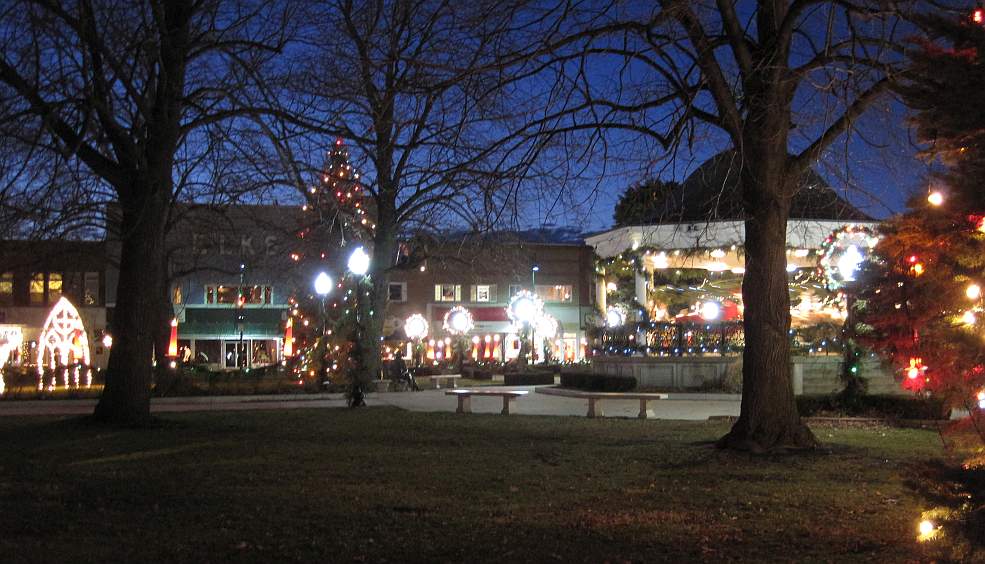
(892, 407)
(528, 378)
(598, 382)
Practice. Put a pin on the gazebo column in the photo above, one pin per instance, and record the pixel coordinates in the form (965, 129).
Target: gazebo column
(600, 291)
(640, 287)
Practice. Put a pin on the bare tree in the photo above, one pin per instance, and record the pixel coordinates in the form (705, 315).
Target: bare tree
(119, 89)
(419, 90)
(780, 81)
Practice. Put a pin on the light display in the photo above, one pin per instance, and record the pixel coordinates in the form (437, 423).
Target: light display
(973, 291)
(710, 311)
(524, 308)
(843, 252)
(615, 316)
(289, 338)
(458, 321)
(416, 327)
(546, 326)
(63, 338)
(173, 340)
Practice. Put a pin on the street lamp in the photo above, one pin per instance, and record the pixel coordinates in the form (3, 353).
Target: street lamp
(359, 262)
(359, 265)
(323, 286)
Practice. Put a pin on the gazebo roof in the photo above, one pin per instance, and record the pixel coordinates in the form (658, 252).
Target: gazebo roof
(711, 193)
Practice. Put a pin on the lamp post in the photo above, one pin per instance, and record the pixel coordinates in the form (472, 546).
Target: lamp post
(358, 265)
(323, 286)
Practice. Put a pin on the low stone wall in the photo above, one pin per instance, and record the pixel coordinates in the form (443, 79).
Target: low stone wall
(809, 374)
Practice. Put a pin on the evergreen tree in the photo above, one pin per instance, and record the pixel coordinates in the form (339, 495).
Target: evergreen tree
(335, 220)
(643, 202)
(921, 306)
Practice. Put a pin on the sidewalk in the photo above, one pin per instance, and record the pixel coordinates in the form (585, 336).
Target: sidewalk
(679, 406)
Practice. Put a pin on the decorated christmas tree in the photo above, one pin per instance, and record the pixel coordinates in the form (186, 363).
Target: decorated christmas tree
(323, 315)
(921, 303)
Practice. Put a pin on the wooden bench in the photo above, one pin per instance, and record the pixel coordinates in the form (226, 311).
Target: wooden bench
(465, 398)
(594, 409)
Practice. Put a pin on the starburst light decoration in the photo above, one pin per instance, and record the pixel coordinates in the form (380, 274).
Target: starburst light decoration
(416, 327)
(458, 321)
(63, 338)
(525, 308)
(843, 253)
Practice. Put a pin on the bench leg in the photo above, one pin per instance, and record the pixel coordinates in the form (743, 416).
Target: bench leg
(464, 404)
(593, 410)
(642, 414)
(506, 405)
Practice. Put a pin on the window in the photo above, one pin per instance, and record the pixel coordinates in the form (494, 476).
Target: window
(252, 295)
(515, 289)
(90, 289)
(7, 288)
(484, 293)
(176, 297)
(447, 292)
(54, 286)
(37, 289)
(397, 292)
(556, 293)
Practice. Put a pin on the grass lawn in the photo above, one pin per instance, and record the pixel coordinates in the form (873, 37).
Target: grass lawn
(377, 484)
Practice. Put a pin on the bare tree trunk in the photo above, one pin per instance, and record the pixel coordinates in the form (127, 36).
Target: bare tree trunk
(768, 417)
(126, 397)
(373, 307)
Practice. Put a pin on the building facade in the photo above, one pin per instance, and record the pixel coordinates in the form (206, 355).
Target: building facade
(482, 277)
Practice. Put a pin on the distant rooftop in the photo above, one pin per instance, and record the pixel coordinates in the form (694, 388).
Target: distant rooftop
(711, 193)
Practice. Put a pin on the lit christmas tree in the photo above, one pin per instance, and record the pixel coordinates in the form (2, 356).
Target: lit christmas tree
(922, 300)
(334, 220)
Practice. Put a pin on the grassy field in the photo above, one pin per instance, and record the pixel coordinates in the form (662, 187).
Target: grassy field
(381, 484)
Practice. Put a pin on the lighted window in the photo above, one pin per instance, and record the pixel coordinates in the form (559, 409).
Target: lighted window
(554, 293)
(229, 295)
(447, 292)
(90, 290)
(7, 288)
(484, 293)
(54, 286)
(397, 292)
(176, 296)
(37, 289)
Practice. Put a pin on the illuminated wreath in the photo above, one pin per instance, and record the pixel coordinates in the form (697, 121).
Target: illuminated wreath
(843, 252)
(458, 321)
(525, 308)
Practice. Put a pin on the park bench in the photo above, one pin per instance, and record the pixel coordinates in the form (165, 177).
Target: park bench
(594, 409)
(465, 398)
(450, 380)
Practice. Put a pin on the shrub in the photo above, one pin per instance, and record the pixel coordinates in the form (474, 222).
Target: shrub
(528, 378)
(890, 407)
(598, 382)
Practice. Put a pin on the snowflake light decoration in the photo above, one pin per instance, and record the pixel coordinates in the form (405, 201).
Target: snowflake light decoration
(843, 252)
(525, 308)
(416, 327)
(458, 321)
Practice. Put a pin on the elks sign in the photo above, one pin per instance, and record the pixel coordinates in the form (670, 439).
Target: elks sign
(234, 245)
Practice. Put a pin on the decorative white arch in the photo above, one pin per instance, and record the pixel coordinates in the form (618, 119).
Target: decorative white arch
(63, 338)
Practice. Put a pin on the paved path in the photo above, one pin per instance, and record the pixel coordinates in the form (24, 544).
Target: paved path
(678, 406)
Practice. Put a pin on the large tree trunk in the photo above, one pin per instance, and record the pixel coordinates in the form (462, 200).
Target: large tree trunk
(768, 418)
(372, 307)
(126, 396)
